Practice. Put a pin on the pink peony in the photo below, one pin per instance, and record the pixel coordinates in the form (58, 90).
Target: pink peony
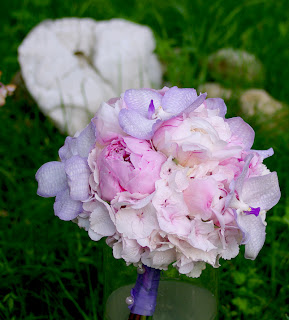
(128, 164)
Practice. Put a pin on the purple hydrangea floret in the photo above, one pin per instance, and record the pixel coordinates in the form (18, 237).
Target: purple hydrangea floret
(67, 179)
(147, 109)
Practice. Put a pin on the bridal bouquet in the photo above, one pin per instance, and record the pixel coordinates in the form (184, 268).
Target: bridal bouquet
(166, 179)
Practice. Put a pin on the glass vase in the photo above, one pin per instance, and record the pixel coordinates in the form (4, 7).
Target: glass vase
(179, 297)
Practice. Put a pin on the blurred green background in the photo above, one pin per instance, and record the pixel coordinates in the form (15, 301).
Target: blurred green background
(49, 268)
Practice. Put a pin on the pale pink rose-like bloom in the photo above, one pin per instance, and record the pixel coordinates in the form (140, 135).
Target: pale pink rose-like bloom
(192, 140)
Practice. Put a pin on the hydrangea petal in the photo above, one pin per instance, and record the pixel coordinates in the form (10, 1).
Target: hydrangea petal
(177, 100)
(131, 250)
(135, 224)
(139, 100)
(78, 173)
(242, 131)
(51, 179)
(136, 125)
(100, 221)
(199, 266)
(93, 235)
(66, 208)
(263, 191)
(69, 149)
(159, 259)
(232, 248)
(85, 140)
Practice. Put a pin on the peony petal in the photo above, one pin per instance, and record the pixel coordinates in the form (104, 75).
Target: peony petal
(106, 123)
(78, 173)
(242, 131)
(139, 100)
(135, 124)
(217, 103)
(177, 100)
(100, 221)
(263, 192)
(66, 208)
(51, 179)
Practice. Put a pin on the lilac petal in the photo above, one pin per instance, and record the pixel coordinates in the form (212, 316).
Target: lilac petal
(86, 140)
(139, 100)
(263, 191)
(69, 149)
(264, 153)
(51, 179)
(217, 103)
(100, 221)
(66, 208)
(78, 173)
(136, 125)
(177, 100)
(201, 98)
(254, 230)
(242, 130)
(237, 185)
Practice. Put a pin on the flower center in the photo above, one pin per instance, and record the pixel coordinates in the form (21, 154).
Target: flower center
(157, 113)
(254, 211)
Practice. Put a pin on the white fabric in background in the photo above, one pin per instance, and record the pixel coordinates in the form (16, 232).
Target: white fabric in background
(71, 65)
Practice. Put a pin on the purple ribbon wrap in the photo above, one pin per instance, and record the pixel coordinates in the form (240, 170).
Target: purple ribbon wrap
(145, 292)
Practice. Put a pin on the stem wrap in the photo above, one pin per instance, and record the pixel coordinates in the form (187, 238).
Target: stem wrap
(145, 292)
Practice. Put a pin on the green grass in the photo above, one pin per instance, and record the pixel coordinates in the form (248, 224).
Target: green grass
(47, 265)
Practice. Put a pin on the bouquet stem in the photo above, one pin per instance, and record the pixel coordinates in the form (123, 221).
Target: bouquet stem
(144, 294)
(133, 316)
